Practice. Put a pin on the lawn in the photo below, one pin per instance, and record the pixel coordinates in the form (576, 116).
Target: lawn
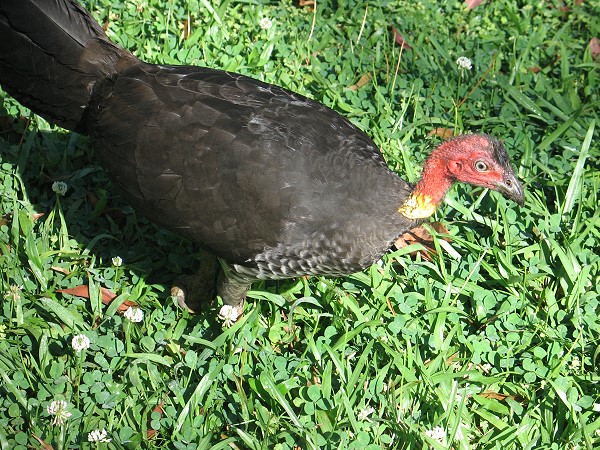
(490, 341)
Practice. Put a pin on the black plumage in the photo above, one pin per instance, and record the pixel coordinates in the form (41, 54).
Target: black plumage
(247, 169)
(273, 183)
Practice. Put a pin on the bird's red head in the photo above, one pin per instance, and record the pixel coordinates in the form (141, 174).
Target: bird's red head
(475, 159)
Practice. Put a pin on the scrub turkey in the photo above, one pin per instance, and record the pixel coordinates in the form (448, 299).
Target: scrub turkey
(274, 184)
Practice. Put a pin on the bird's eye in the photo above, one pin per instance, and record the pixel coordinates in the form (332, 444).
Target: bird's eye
(480, 166)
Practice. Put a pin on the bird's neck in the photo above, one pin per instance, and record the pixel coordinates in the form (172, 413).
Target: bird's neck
(430, 190)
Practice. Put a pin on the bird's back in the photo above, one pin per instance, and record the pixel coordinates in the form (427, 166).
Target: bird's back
(264, 178)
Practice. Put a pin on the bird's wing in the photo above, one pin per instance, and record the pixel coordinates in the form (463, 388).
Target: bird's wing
(233, 163)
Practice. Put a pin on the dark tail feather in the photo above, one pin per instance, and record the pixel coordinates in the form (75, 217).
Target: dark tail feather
(52, 56)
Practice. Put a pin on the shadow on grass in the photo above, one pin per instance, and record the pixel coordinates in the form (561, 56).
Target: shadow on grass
(95, 216)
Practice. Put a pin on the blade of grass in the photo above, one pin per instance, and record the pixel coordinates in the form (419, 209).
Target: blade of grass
(576, 179)
(268, 383)
(69, 317)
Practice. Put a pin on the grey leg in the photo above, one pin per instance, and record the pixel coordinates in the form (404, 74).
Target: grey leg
(233, 288)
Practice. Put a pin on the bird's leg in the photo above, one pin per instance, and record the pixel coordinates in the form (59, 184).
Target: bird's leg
(232, 288)
(191, 291)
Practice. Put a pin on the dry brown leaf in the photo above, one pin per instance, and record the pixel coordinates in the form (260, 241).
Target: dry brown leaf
(187, 29)
(309, 4)
(420, 235)
(399, 38)
(451, 359)
(126, 305)
(43, 443)
(494, 395)
(60, 270)
(501, 397)
(390, 307)
(361, 82)
(472, 3)
(84, 292)
(159, 409)
(8, 217)
(107, 296)
(594, 48)
(444, 133)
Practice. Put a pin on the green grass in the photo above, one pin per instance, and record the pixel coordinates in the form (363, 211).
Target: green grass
(494, 341)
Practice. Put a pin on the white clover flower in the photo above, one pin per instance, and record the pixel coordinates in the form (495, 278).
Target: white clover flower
(464, 63)
(365, 413)
(575, 363)
(140, 6)
(80, 342)
(265, 23)
(13, 293)
(437, 433)
(596, 407)
(228, 314)
(134, 314)
(58, 409)
(98, 436)
(117, 261)
(60, 187)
